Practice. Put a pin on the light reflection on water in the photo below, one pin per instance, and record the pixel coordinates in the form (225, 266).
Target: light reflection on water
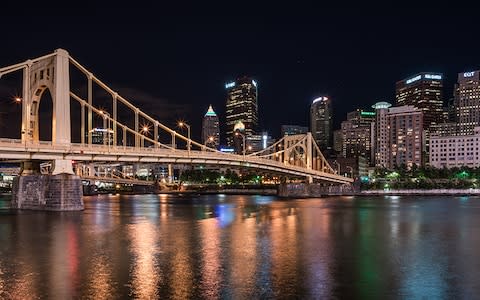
(237, 247)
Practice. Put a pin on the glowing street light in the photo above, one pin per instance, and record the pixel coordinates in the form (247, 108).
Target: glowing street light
(209, 140)
(181, 124)
(17, 99)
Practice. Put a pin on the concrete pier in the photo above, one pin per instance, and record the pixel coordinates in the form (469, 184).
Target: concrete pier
(62, 192)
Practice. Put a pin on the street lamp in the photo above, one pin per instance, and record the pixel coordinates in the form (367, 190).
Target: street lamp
(209, 140)
(181, 124)
(145, 131)
(17, 99)
(243, 136)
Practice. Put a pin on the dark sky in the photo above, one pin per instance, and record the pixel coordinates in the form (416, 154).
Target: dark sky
(173, 60)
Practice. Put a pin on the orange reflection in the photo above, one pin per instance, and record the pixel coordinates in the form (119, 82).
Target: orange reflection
(145, 274)
(211, 254)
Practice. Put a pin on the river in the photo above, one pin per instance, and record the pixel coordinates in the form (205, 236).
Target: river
(243, 247)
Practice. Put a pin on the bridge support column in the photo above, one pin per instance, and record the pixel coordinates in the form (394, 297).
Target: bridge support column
(62, 166)
(61, 191)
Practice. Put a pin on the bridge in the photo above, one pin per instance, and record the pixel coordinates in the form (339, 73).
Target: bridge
(128, 138)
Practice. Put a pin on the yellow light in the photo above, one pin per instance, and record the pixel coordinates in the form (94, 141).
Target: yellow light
(17, 99)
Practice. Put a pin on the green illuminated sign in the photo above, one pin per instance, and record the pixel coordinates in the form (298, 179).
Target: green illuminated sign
(367, 113)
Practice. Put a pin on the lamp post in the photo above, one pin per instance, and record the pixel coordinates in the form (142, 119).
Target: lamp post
(181, 124)
(243, 137)
(209, 140)
(144, 130)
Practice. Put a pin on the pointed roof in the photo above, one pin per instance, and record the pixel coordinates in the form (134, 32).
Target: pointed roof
(210, 112)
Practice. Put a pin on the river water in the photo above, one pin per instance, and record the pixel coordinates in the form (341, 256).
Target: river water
(243, 247)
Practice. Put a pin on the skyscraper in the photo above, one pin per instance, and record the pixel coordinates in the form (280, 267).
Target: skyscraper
(467, 101)
(424, 91)
(356, 131)
(321, 123)
(380, 140)
(241, 106)
(210, 129)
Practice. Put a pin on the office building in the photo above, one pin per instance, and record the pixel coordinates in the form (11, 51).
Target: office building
(241, 107)
(381, 145)
(211, 129)
(101, 136)
(424, 91)
(356, 131)
(293, 129)
(467, 101)
(258, 142)
(455, 151)
(338, 141)
(321, 123)
(405, 127)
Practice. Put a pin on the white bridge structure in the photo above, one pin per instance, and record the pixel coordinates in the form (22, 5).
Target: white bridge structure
(296, 155)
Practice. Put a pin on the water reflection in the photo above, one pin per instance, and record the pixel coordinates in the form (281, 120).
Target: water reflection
(237, 247)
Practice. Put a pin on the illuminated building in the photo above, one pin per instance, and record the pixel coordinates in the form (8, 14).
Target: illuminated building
(210, 129)
(356, 132)
(258, 142)
(293, 129)
(467, 101)
(424, 91)
(380, 144)
(337, 141)
(101, 136)
(241, 106)
(455, 150)
(405, 127)
(321, 123)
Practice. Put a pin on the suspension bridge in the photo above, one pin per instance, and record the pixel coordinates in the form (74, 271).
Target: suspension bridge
(296, 155)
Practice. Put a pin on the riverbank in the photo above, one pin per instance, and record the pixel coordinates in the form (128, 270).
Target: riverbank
(413, 192)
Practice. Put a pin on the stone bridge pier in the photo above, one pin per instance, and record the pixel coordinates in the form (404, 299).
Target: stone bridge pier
(57, 191)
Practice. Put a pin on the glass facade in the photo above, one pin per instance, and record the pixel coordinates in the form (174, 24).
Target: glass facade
(321, 123)
(241, 106)
(211, 129)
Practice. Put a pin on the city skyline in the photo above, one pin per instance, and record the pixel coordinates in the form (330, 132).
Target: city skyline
(183, 66)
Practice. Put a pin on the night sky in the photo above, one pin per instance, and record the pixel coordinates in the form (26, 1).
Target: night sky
(173, 61)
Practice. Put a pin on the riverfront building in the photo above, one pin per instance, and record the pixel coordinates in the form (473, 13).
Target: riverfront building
(242, 107)
(405, 127)
(380, 139)
(321, 123)
(467, 101)
(424, 91)
(356, 131)
(211, 129)
(455, 150)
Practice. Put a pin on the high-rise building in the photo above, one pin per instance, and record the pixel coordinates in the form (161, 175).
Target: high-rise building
(338, 141)
(424, 91)
(321, 123)
(241, 106)
(380, 140)
(258, 142)
(467, 101)
(293, 129)
(211, 129)
(356, 131)
(405, 126)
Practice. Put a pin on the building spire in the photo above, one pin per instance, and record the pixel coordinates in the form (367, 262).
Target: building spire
(210, 112)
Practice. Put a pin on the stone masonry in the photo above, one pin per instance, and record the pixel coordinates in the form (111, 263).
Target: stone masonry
(62, 192)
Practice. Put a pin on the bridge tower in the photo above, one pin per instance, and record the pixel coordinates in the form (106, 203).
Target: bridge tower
(62, 190)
